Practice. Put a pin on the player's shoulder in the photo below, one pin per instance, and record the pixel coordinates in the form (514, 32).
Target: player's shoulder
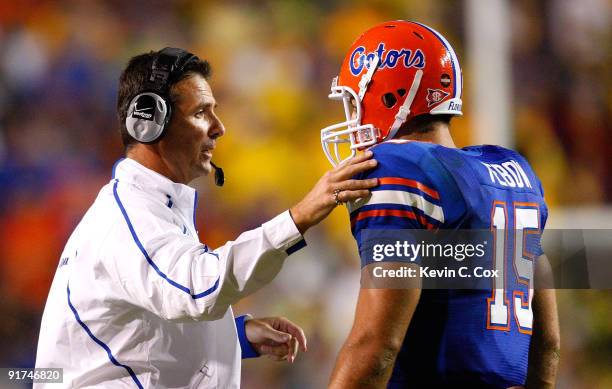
(407, 150)
(418, 162)
(495, 152)
(500, 153)
(503, 159)
(404, 157)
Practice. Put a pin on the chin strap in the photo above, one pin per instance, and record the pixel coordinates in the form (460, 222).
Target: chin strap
(404, 110)
(366, 78)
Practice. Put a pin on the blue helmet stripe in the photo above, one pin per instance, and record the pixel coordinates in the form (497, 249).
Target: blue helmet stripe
(454, 60)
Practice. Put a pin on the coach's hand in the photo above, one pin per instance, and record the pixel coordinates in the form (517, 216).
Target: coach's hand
(276, 337)
(335, 187)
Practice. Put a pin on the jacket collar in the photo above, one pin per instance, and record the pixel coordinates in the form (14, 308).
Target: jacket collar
(173, 193)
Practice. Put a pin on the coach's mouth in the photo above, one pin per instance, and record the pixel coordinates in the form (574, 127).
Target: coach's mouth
(206, 152)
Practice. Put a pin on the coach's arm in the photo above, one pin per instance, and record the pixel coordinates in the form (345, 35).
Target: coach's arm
(545, 340)
(160, 267)
(367, 357)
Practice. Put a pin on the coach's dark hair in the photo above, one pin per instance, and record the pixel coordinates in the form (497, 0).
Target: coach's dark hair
(132, 81)
(422, 124)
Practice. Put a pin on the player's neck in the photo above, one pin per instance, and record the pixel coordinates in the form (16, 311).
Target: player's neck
(439, 135)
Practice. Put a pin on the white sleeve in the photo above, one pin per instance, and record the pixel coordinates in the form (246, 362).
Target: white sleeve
(178, 278)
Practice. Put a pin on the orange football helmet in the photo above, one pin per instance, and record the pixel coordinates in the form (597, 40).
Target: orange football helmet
(393, 72)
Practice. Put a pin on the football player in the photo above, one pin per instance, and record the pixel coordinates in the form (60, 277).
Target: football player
(400, 85)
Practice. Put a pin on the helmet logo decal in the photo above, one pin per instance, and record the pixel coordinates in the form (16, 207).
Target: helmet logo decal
(434, 96)
(361, 60)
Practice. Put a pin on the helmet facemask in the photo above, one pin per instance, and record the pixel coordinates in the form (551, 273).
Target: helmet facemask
(351, 131)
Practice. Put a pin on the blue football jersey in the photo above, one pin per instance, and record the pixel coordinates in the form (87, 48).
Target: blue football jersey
(475, 338)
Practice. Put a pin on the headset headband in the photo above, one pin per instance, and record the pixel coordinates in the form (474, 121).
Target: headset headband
(150, 110)
(168, 65)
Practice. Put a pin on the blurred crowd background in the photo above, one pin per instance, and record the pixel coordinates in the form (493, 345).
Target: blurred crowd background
(272, 66)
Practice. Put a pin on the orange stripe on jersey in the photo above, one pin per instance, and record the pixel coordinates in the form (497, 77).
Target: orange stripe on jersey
(411, 183)
(390, 212)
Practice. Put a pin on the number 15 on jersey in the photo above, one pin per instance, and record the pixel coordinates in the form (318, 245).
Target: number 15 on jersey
(511, 227)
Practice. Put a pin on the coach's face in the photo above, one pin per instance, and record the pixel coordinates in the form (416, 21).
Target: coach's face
(193, 129)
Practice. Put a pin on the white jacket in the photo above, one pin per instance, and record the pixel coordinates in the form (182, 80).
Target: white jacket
(138, 301)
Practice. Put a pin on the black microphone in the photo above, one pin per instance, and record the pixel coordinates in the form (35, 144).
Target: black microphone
(219, 176)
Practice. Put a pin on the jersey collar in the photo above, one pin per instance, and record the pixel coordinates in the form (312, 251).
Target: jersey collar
(129, 171)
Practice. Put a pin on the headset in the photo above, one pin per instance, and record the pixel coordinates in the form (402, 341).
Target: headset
(150, 111)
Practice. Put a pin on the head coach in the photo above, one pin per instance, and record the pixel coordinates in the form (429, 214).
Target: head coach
(137, 300)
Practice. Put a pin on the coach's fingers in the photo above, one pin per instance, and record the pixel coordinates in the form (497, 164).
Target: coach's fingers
(277, 352)
(356, 184)
(356, 159)
(296, 331)
(275, 336)
(300, 338)
(350, 195)
(276, 358)
(293, 349)
(351, 170)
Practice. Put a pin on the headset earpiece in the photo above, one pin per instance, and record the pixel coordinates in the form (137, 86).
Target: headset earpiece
(149, 112)
(147, 116)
